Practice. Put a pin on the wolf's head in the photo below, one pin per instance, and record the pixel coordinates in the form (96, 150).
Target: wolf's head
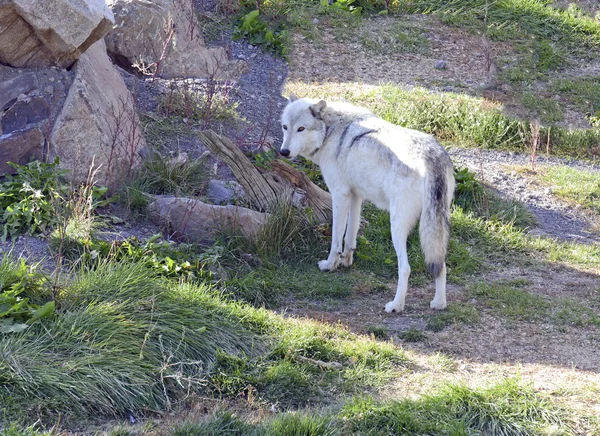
(303, 127)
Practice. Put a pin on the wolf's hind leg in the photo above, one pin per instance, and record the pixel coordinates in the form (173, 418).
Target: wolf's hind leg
(341, 205)
(439, 301)
(399, 236)
(351, 230)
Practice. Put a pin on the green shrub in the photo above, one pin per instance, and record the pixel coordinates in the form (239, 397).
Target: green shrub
(22, 295)
(29, 199)
(252, 27)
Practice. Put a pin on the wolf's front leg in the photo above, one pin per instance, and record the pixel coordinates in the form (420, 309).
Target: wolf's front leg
(351, 230)
(341, 204)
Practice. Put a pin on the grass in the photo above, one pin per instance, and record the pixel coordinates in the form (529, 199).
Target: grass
(546, 109)
(392, 36)
(130, 341)
(455, 314)
(512, 300)
(584, 92)
(507, 408)
(574, 185)
(457, 118)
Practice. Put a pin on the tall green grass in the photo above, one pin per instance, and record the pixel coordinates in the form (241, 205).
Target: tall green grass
(125, 340)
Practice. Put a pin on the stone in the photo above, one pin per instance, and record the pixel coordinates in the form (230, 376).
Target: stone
(193, 220)
(440, 65)
(165, 35)
(25, 112)
(98, 123)
(11, 89)
(36, 33)
(223, 192)
(20, 147)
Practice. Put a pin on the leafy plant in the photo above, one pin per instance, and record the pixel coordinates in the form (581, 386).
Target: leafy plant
(29, 198)
(17, 283)
(258, 32)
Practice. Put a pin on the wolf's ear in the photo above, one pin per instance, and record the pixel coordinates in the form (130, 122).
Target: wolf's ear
(318, 109)
(293, 97)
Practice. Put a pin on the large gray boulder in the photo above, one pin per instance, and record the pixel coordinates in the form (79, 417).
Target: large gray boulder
(40, 33)
(165, 35)
(194, 220)
(20, 147)
(98, 123)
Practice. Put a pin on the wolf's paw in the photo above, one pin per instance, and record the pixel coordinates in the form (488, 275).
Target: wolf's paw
(392, 306)
(325, 265)
(438, 304)
(347, 259)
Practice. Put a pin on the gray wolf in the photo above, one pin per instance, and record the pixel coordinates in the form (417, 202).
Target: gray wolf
(363, 157)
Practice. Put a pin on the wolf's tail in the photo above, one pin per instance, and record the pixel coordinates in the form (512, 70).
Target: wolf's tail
(434, 227)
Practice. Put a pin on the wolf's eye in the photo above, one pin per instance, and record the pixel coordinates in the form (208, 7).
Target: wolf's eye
(284, 127)
(300, 129)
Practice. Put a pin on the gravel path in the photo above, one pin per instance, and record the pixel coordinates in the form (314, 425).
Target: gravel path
(555, 217)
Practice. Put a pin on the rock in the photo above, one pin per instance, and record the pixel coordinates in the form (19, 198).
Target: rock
(98, 122)
(194, 220)
(25, 112)
(11, 89)
(43, 33)
(147, 31)
(20, 147)
(440, 65)
(222, 192)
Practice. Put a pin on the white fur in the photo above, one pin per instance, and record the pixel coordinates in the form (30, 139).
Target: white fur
(363, 157)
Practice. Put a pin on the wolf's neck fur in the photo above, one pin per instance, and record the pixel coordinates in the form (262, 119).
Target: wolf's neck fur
(343, 113)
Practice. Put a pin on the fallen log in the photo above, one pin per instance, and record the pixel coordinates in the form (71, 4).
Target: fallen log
(265, 188)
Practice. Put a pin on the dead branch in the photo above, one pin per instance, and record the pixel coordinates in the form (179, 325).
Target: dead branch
(265, 189)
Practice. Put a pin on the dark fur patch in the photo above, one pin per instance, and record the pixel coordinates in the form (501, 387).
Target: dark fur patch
(357, 137)
(342, 138)
(435, 269)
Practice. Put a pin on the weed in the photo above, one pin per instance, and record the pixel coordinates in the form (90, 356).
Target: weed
(29, 198)
(413, 334)
(195, 103)
(21, 289)
(257, 32)
(379, 332)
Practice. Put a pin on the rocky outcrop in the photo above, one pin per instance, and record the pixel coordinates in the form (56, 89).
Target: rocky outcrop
(98, 122)
(20, 148)
(36, 33)
(164, 37)
(191, 219)
(29, 101)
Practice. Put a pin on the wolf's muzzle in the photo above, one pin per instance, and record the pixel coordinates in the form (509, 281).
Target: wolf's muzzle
(285, 152)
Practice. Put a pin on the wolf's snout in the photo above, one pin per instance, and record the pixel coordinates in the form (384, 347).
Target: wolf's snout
(285, 152)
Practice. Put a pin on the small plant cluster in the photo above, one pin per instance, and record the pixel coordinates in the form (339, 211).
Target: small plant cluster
(36, 200)
(20, 285)
(258, 32)
(199, 103)
(29, 198)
